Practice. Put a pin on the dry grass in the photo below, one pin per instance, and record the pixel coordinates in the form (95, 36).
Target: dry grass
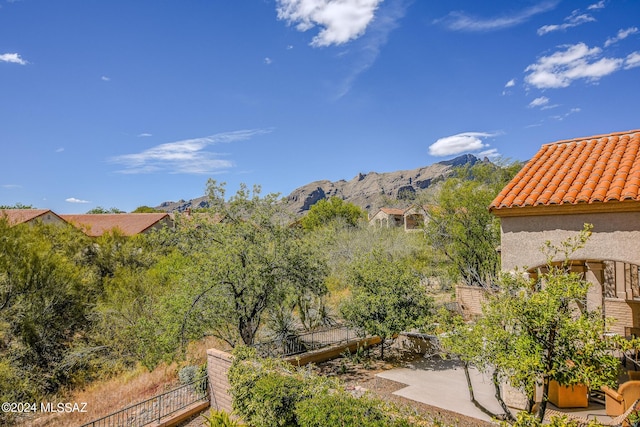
(109, 396)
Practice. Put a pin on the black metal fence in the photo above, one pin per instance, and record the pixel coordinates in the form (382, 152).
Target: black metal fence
(304, 341)
(158, 407)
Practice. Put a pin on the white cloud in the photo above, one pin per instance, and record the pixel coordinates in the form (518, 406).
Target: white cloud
(368, 48)
(632, 60)
(460, 143)
(11, 186)
(599, 5)
(59, 149)
(144, 135)
(491, 153)
(105, 79)
(459, 21)
(574, 62)
(539, 102)
(12, 58)
(340, 20)
(188, 156)
(268, 61)
(567, 114)
(74, 200)
(622, 34)
(511, 83)
(576, 18)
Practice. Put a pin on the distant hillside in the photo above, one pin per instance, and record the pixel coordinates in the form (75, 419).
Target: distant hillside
(369, 191)
(374, 190)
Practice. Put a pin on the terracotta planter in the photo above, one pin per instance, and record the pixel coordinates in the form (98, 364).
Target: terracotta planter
(572, 396)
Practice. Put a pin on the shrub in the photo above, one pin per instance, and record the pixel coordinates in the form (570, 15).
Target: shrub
(275, 397)
(271, 392)
(188, 374)
(342, 409)
(220, 419)
(265, 393)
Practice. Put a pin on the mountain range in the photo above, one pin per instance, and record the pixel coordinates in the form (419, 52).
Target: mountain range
(370, 191)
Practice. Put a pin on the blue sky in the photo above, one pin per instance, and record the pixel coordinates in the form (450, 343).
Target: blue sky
(120, 103)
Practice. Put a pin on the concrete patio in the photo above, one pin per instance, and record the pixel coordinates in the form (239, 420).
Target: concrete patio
(442, 383)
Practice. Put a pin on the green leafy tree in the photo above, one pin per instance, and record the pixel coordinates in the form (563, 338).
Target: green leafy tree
(461, 227)
(386, 296)
(147, 209)
(139, 313)
(101, 210)
(16, 206)
(247, 265)
(532, 332)
(45, 295)
(334, 210)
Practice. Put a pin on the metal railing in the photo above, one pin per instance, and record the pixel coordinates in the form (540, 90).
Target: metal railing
(304, 341)
(156, 408)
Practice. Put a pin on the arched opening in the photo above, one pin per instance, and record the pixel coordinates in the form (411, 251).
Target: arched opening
(615, 289)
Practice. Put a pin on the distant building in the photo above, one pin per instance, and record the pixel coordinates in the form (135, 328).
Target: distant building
(415, 218)
(30, 216)
(129, 224)
(387, 218)
(411, 219)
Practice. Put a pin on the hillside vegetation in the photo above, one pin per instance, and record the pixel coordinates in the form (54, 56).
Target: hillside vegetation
(75, 309)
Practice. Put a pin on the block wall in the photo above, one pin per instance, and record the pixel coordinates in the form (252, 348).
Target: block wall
(470, 299)
(218, 364)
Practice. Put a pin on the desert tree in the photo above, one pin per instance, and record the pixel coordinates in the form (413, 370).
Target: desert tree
(247, 263)
(387, 296)
(333, 210)
(460, 226)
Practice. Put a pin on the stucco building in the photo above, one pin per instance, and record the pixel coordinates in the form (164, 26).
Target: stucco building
(129, 224)
(388, 217)
(594, 180)
(30, 216)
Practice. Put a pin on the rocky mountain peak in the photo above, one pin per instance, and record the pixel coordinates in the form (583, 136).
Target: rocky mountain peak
(370, 191)
(373, 190)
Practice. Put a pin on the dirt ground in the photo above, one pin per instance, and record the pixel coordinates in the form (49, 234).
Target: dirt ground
(358, 373)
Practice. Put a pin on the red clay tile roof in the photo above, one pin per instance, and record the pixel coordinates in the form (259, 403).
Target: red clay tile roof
(95, 225)
(18, 216)
(392, 211)
(596, 169)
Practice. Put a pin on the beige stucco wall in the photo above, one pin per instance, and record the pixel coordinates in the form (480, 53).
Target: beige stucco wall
(383, 219)
(51, 218)
(615, 236)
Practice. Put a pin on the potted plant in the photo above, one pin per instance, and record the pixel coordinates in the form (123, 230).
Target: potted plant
(634, 418)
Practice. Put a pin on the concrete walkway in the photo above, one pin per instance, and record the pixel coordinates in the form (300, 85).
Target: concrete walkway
(442, 383)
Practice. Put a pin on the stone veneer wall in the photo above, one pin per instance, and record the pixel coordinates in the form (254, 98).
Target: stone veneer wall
(470, 299)
(218, 364)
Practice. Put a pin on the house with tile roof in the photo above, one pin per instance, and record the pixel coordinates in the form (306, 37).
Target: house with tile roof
(129, 224)
(415, 218)
(388, 217)
(30, 216)
(411, 219)
(569, 183)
